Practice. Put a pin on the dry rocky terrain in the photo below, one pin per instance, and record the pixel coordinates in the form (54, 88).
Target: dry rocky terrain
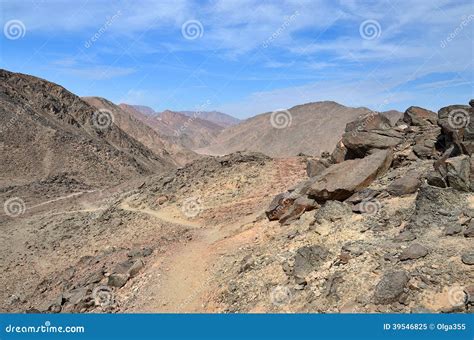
(381, 223)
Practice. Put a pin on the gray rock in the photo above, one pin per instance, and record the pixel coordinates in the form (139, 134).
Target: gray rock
(390, 287)
(453, 229)
(459, 169)
(307, 259)
(405, 236)
(413, 252)
(418, 116)
(332, 211)
(339, 153)
(118, 280)
(315, 167)
(469, 231)
(405, 185)
(468, 258)
(335, 183)
(434, 178)
(136, 267)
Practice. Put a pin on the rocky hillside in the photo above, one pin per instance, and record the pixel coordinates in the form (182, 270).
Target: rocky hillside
(128, 121)
(190, 132)
(222, 119)
(310, 129)
(383, 223)
(392, 224)
(48, 131)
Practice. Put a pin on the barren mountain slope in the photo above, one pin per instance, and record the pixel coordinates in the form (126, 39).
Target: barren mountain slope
(189, 132)
(314, 128)
(219, 118)
(128, 121)
(47, 130)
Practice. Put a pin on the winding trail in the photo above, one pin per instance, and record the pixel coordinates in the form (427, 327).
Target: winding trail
(180, 281)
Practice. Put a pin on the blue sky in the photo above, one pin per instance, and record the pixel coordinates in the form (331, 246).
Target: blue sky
(247, 57)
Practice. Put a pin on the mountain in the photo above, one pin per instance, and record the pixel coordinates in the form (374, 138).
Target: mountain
(146, 110)
(48, 131)
(219, 118)
(310, 129)
(187, 131)
(134, 124)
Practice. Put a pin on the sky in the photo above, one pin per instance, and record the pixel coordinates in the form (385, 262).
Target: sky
(247, 57)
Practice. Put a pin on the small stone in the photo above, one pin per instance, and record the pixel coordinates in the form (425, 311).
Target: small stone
(453, 229)
(468, 258)
(118, 280)
(405, 236)
(413, 252)
(390, 287)
(469, 231)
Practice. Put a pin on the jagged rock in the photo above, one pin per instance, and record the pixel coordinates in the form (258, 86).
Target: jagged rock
(332, 211)
(418, 116)
(434, 206)
(457, 122)
(339, 154)
(393, 116)
(434, 178)
(413, 252)
(336, 184)
(299, 206)
(390, 287)
(307, 259)
(405, 185)
(315, 167)
(458, 172)
(468, 258)
(280, 204)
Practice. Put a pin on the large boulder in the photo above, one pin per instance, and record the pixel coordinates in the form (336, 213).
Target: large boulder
(372, 131)
(418, 116)
(370, 121)
(361, 143)
(340, 181)
(457, 122)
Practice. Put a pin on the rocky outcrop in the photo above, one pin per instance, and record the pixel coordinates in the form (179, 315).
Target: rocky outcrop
(341, 180)
(337, 182)
(373, 143)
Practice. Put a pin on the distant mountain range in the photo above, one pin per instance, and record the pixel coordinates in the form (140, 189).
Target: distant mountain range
(98, 141)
